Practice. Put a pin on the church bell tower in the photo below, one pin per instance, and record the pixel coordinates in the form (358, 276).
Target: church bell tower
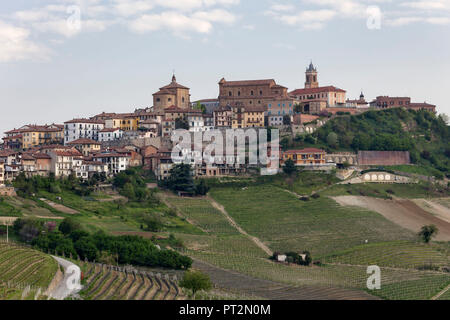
(311, 77)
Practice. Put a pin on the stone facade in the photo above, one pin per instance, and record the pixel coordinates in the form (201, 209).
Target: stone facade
(250, 93)
(173, 94)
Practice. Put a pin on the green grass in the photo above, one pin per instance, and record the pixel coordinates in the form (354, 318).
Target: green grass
(204, 215)
(8, 210)
(399, 254)
(420, 289)
(385, 190)
(303, 183)
(415, 169)
(319, 225)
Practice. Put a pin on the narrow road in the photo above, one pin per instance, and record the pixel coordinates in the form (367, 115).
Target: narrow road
(64, 288)
(436, 297)
(257, 241)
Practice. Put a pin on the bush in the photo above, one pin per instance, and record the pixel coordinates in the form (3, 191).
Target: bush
(196, 281)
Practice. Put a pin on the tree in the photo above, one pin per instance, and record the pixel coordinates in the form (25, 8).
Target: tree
(201, 188)
(68, 226)
(332, 140)
(128, 191)
(428, 232)
(289, 167)
(181, 123)
(86, 249)
(181, 179)
(195, 281)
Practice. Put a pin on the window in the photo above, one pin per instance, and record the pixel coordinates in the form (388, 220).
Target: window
(230, 94)
(158, 99)
(251, 93)
(239, 93)
(260, 93)
(182, 99)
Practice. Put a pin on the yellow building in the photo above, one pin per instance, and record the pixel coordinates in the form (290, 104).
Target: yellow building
(86, 146)
(30, 136)
(247, 117)
(305, 157)
(124, 122)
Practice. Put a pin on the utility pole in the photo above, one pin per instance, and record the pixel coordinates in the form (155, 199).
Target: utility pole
(7, 233)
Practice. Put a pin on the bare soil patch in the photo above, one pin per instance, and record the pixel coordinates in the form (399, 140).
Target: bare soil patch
(405, 213)
(59, 207)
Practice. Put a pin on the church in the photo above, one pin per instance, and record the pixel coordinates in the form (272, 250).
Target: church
(173, 94)
(313, 98)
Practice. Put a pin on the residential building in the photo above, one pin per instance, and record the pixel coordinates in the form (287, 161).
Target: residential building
(2, 173)
(313, 98)
(82, 129)
(43, 164)
(223, 117)
(65, 162)
(31, 135)
(86, 146)
(173, 94)
(278, 108)
(385, 102)
(95, 167)
(28, 165)
(123, 121)
(305, 157)
(250, 93)
(110, 134)
(168, 126)
(196, 121)
(247, 117)
(115, 161)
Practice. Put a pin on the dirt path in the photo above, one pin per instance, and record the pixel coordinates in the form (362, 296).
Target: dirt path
(163, 197)
(402, 212)
(435, 208)
(436, 297)
(259, 288)
(59, 207)
(258, 242)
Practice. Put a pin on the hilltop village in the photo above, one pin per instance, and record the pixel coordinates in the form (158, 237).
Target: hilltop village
(108, 143)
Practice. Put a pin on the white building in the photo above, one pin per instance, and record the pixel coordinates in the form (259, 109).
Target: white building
(110, 134)
(275, 120)
(196, 122)
(116, 162)
(82, 129)
(66, 162)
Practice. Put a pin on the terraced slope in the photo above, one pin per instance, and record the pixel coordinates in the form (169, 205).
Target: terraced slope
(24, 273)
(111, 283)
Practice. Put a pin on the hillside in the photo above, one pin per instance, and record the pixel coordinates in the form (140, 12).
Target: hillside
(24, 273)
(422, 133)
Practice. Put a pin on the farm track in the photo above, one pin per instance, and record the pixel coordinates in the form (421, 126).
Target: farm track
(233, 223)
(266, 289)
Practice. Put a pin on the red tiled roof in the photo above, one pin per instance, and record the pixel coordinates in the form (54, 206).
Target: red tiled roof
(84, 141)
(110, 130)
(247, 82)
(307, 150)
(316, 90)
(86, 121)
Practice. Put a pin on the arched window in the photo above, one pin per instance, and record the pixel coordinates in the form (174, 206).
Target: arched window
(230, 94)
(239, 93)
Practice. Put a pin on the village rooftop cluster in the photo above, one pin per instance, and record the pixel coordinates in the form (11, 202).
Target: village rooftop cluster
(108, 143)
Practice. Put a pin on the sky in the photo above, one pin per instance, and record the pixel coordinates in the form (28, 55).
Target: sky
(61, 59)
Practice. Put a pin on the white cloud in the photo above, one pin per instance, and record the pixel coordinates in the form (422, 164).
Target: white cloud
(173, 21)
(15, 45)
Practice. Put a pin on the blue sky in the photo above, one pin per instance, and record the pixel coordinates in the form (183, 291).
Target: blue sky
(54, 66)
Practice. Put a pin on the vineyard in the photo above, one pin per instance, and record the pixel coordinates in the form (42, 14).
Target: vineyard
(102, 282)
(24, 273)
(335, 235)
